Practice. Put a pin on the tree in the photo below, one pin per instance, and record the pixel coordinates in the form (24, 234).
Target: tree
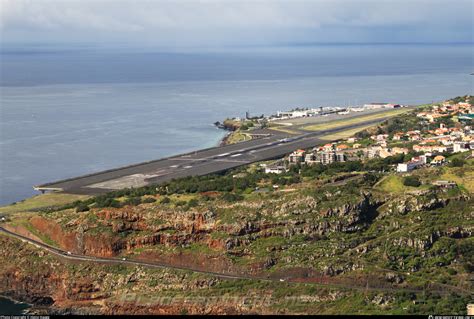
(411, 181)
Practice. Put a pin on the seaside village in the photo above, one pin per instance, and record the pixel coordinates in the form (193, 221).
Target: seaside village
(428, 146)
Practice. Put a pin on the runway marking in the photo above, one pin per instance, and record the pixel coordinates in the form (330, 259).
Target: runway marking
(235, 155)
(188, 166)
(222, 155)
(134, 180)
(188, 159)
(231, 161)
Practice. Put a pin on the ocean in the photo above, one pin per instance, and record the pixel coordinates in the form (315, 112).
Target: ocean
(71, 111)
(9, 307)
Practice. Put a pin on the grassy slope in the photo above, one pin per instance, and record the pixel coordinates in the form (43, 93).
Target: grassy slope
(349, 121)
(343, 134)
(238, 136)
(41, 201)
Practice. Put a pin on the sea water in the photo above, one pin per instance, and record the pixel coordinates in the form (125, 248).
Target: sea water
(67, 112)
(9, 307)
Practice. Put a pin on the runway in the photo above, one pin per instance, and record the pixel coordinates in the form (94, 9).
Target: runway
(202, 162)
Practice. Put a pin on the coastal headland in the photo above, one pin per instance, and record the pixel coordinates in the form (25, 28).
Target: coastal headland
(304, 234)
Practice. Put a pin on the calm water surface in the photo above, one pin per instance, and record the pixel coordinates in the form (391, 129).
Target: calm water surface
(9, 307)
(65, 113)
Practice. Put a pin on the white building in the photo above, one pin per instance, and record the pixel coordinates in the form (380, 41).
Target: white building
(278, 169)
(381, 106)
(411, 165)
(460, 147)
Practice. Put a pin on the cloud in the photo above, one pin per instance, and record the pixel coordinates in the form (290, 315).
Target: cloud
(211, 22)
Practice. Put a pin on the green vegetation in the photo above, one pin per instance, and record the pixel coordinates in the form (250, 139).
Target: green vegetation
(457, 162)
(237, 137)
(412, 181)
(35, 203)
(355, 120)
(392, 184)
(358, 237)
(344, 134)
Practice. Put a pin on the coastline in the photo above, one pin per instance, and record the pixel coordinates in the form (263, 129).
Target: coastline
(225, 140)
(23, 306)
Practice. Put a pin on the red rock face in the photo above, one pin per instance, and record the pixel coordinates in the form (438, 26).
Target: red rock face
(54, 231)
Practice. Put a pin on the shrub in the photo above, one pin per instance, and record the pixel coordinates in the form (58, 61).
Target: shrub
(149, 200)
(193, 203)
(231, 197)
(457, 162)
(165, 200)
(411, 181)
(134, 201)
(82, 208)
(181, 203)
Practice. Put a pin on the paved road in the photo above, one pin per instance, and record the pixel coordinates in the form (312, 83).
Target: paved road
(120, 261)
(211, 160)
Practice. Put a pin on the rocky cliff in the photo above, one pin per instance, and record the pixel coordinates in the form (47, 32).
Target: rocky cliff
(349, 237)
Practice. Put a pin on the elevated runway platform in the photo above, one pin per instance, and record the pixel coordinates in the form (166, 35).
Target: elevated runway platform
(202, 162)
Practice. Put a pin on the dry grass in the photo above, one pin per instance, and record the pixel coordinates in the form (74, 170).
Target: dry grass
(466, 179)
(344, 134)
(238, 136)
(283, 128)
(355, 120)
(41, 201)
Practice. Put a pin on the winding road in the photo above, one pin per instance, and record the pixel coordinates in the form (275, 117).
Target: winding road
(129, 262)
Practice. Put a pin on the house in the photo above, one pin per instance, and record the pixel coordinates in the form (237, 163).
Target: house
(430, 148)
(438, 160)
(398, 136)
(328, 147)
(439, 148)
(379, 137)
(311, 158)
(297, 157)
(444, 184)
(373, 151)
(411, 165)
(399, 150)
(341, 147)
(328, 157)
(460, 147)
(275, 169)
(446, 140)
(384, 152)
(356, 145)
(428, 141)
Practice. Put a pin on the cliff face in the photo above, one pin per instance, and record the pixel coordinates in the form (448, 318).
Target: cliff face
(30, 275)
(350, 237)
(209, 240)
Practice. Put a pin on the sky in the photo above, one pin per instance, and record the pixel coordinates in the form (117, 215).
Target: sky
(227, 23)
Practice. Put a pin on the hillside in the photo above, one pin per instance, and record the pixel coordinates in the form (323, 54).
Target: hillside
(350, 237)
